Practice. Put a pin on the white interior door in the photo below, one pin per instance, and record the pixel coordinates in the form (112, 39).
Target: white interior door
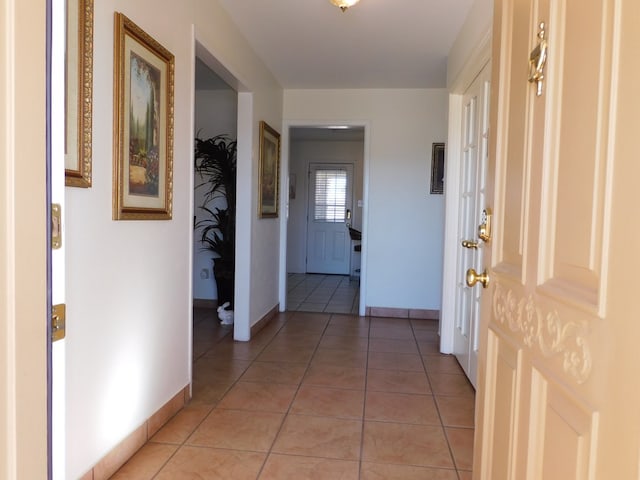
(474, 150)
(558, 383)
(330, 199)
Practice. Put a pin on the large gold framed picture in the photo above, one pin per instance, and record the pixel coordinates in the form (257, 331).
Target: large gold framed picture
(143, 125)
(269, 179)
(79, 93)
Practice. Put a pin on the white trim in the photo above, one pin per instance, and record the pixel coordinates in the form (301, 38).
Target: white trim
(452, 211)
(284, 217)
(244, 216)
(192, 128)
(479, 57)
(364, 256)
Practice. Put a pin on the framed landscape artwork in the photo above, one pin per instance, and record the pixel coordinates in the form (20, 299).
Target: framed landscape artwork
(143, 125)
(269, 179)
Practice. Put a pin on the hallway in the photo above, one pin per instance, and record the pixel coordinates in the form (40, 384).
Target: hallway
(316, 395)
(322, 293)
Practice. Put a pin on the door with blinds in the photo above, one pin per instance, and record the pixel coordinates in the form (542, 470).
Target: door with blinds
(329, 212)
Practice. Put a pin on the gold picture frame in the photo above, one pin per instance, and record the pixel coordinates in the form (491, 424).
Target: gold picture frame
(79, 93)
(269, 179)
(143, 125)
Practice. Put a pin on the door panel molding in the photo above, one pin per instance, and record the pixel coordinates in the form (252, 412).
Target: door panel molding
(577, 162)
(501, 407)
(567, 452)
(510, 197)
(543, 328)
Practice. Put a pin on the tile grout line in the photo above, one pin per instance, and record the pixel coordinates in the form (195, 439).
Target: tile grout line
(215, 405)
(286, 414)
(343, 286)
(182, 444)
(444, 430)
(279, 333)
(364, 403)
(433, 393)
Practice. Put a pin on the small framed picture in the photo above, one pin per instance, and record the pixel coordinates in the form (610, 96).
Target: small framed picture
(143, 125)
(437, 168)
(269, 172)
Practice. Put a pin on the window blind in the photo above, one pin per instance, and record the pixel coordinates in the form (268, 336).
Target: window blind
(330, 195)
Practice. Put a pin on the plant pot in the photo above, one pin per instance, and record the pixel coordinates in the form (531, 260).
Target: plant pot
(224, 273)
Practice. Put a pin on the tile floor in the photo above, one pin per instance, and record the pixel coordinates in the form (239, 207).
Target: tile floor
(322, 293)
(317, 396)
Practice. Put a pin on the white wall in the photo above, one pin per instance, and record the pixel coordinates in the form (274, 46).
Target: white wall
(301, 154)
(129, 282)
(404, 223)
(216, 113)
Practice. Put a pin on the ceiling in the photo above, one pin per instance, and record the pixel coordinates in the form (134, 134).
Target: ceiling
(375, 44)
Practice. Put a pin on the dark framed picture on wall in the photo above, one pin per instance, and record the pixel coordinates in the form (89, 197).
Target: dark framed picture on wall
(143, 125)
(269, 172)
(437, 168)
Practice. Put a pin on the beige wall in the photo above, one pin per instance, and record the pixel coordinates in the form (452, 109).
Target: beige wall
(23, 428)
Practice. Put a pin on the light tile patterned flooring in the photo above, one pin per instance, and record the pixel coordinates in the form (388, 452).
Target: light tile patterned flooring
(322, 293)
(318, 396)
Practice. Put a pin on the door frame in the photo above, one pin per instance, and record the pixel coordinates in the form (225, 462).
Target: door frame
(23, 289)
(284, 203)
(480, 56)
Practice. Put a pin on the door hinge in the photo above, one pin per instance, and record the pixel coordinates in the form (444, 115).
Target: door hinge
(58, 322)
(56, 226)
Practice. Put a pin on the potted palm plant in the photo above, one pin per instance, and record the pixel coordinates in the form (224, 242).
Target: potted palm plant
(215, 162)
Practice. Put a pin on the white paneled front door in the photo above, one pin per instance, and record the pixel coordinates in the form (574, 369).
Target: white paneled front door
(558, 383)
(330, 199)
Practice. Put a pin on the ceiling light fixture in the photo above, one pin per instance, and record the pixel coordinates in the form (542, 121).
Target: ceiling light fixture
(344, 4)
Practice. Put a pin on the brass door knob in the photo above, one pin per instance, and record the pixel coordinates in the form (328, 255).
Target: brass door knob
(469, 244)
(474, 277)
